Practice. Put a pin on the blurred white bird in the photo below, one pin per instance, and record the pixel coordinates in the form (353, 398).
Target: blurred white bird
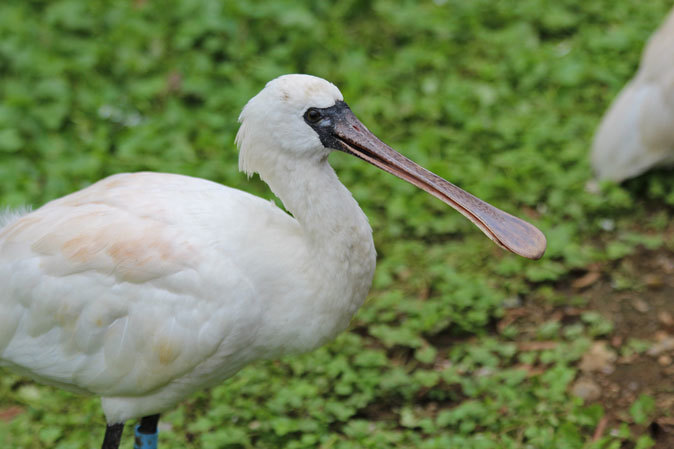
(145, 287)
(637, 133)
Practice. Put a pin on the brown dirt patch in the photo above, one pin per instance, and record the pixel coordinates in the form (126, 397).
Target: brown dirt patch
(645, 311)
(636, 293)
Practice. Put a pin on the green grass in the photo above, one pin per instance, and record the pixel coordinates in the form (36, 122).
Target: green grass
(500, 97)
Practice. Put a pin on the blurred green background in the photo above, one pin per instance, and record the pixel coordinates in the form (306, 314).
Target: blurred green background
(499, 96)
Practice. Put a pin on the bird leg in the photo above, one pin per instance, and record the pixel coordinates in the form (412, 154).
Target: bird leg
(113, 435)
(146, 433)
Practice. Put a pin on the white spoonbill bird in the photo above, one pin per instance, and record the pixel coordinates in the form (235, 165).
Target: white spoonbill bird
(145, 287)
(637, 132)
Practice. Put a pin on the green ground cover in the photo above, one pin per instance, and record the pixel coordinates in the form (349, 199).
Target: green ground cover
(500, 97)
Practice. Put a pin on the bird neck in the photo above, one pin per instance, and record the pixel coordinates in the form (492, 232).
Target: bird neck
(326, 210)
(335, 273)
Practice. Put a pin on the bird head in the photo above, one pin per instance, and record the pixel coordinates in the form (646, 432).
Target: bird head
(303, 118)
(282, 118)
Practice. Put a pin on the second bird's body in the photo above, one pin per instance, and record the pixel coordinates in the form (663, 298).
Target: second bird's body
(637, 132)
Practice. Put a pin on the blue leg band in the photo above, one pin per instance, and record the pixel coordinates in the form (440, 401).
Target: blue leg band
(145, 440)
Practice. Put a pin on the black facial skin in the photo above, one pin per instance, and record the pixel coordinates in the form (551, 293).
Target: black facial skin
(328, 120)
(339, 129)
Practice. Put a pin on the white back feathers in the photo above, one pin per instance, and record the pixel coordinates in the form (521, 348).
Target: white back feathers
(637, 132)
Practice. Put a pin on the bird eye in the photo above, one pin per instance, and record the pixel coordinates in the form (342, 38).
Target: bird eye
(312, 115)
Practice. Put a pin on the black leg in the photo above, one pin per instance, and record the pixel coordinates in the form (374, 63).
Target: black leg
(146, 433)
(148, 424)
(113, 435)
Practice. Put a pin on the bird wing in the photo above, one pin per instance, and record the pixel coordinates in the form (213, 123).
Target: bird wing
(637, 133)
(124, 286)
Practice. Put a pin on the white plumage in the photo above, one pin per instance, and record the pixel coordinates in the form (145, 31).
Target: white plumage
(145, 287)
(637, 133)
(105, 291)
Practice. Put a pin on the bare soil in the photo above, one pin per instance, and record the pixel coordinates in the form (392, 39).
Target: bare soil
(645, 312)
